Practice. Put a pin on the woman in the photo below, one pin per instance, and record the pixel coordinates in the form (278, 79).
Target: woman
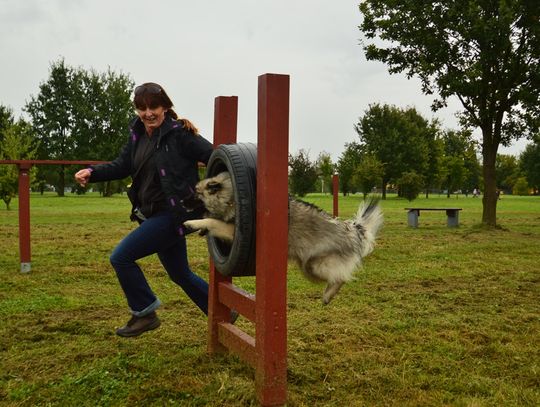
(161, 156)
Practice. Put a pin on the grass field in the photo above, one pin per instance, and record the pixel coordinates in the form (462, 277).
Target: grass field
(437, 317)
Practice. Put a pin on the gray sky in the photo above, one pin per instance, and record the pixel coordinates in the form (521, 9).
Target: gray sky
(198, 50)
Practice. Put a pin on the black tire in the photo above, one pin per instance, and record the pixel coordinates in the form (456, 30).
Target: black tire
(240, 160)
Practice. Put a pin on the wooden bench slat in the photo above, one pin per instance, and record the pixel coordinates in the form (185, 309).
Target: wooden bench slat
(434, 209)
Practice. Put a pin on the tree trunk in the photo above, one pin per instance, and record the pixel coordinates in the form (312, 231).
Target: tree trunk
(384, 190)
(61, 181)
(489, 199)
(108, 189)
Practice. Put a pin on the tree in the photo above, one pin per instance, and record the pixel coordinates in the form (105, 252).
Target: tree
(455, 174)
(484, 52)
(461, 165)
(410, 185)
(101, 124)
(6, 119)
(398, 138)
(325, 169)
(506, 172)
(474, 169)
(80, 114)
(521, 187)
(530, 164)
(435, 155)
(16, 143)
(368, 174)
(52, 113)
(303, 174)
(346, 165)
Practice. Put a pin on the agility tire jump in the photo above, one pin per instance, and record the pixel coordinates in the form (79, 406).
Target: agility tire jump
(240, 160)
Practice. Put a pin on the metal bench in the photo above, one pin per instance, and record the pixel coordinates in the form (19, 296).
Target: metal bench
(451, 213)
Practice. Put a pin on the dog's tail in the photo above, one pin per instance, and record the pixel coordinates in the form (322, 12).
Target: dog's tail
(369, 220)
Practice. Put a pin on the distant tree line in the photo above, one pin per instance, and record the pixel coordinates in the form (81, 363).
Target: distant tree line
(486, 54)
(399, 148)
(77, 114)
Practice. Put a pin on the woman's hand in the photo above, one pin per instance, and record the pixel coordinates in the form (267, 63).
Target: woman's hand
(83, 176)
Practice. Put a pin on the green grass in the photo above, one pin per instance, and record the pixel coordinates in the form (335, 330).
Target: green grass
(437, 316)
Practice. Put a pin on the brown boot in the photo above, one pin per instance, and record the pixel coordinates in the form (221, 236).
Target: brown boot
(138, 325)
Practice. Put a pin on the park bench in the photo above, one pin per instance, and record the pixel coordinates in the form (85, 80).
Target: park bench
(451, 213)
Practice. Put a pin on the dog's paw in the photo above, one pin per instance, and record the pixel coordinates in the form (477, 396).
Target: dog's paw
(195, 225)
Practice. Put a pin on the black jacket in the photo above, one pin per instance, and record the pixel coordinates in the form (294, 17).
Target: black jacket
(178, 152)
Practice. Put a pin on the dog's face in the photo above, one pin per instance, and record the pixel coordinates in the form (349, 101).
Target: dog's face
(217, 195)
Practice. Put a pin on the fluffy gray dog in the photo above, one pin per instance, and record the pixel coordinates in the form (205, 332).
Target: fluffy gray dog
(326, 249)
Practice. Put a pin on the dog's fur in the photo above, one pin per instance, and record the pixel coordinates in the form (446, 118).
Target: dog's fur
(326, 249)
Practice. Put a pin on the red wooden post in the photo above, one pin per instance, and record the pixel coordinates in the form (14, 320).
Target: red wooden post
(24, 216)
(225, 127)
(24, 202)
(335, 191)
(271, 244)
(267, 352)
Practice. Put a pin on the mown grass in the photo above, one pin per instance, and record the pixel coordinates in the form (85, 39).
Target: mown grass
(436, 317)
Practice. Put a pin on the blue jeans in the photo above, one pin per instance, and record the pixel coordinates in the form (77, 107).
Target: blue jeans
(156, 235)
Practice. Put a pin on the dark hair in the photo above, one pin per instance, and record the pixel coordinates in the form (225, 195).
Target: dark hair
(152, 95)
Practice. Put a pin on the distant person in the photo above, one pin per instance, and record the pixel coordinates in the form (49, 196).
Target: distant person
(475, 193)
(161, 156)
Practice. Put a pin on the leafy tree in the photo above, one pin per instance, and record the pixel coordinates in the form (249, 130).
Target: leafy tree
(521, 187)
(368, 174)
(462, 171)
(6, 119)
(80, 114)
(435, 154)
(346, 165)
(484, 52)
(325, 168)
(410, 185)
(52, 113)
(16, 143)
(398, 138)
(473, 177)
(101, 125)
(530, 164)
(455, 174)
(303, 174)
(506, 172)
(8, 180)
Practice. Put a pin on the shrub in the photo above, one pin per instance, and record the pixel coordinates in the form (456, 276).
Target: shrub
(410, 185)
(521, 187)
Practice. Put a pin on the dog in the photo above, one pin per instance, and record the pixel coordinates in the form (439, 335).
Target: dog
(325, 248)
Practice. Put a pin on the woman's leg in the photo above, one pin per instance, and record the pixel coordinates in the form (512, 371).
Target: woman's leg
(152, 236)
(174, 259)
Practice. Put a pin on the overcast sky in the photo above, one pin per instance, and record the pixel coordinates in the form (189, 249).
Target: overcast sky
(198, 50)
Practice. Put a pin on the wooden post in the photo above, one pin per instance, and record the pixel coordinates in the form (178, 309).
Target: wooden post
(24, 216)
(271, 245)
(24, 202)
(225, 127)
(335, 193)
(267, 352)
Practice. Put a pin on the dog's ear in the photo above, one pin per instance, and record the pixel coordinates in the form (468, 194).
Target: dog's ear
(214, 187)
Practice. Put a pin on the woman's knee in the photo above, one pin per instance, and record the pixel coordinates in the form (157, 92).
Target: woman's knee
(179, 276)
(118, 258)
